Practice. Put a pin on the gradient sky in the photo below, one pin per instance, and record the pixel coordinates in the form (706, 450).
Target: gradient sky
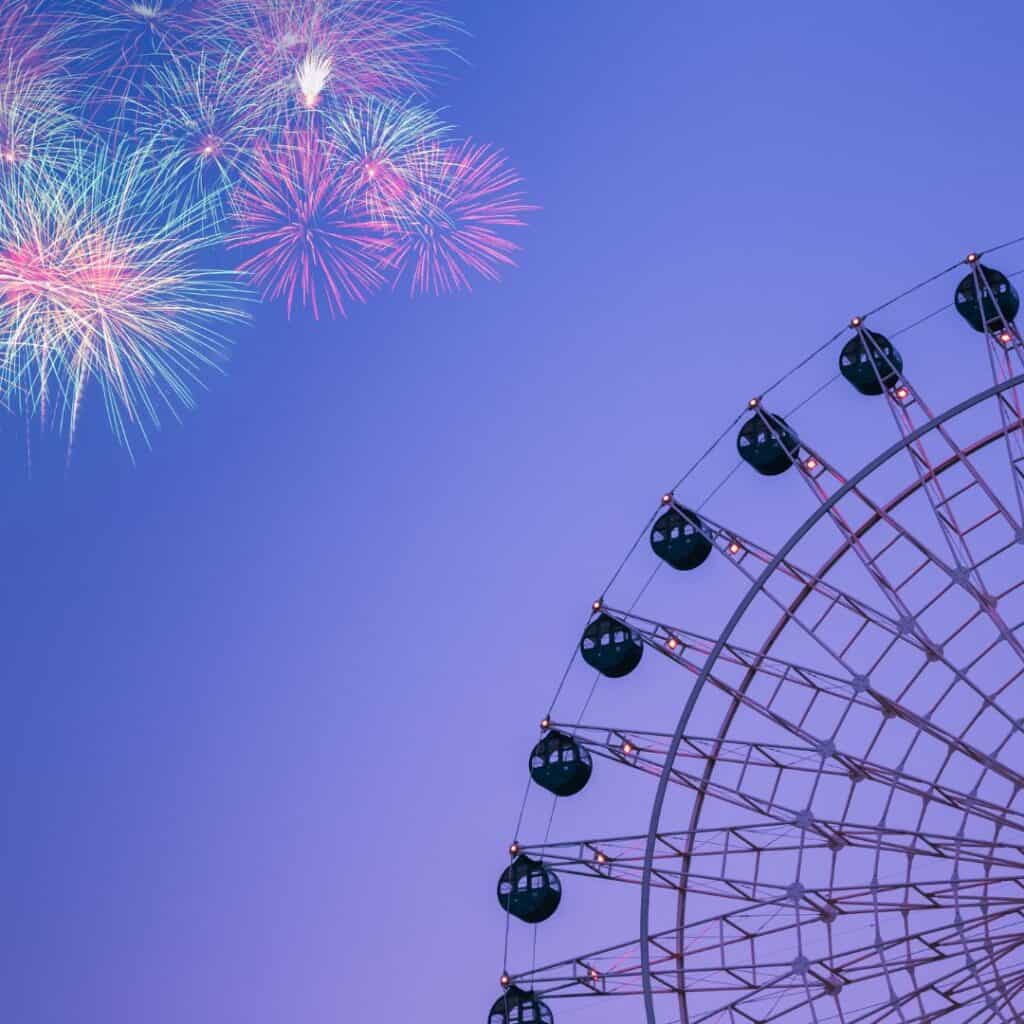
(269, 692)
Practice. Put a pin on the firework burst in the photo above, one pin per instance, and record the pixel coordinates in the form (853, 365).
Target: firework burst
(199, 119)
(312, 52)
(292, 130)
(294, 216)
(377, 145)
(37, 90)
(100, 291)
(460, 201)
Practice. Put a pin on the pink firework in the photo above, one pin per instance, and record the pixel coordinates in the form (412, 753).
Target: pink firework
(293, 214)
(452, 218)
(311, 52)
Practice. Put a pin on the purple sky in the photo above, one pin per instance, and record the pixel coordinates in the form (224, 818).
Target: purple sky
(269, 693)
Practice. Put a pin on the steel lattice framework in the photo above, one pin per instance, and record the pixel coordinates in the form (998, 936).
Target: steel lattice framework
(837, 831)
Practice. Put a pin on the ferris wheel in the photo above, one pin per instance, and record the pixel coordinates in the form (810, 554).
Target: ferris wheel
(827, 783)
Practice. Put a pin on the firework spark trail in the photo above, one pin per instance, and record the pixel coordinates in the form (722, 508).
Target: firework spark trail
(311, 77)
(460, 199)
(375, 145)
(293, 210)
(200, 118)
(99, 287)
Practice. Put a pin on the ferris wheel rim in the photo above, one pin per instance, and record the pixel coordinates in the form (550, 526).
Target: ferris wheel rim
(615, 969)
(739, 611)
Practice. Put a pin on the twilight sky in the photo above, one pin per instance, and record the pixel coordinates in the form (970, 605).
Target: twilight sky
(269, 692)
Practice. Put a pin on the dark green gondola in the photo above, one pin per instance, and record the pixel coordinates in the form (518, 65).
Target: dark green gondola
(767, 443)
(560, 765)
(676, 538)
(988, 302)
(611, 647)
(529, 890)
(870, 362)
(515, 1006)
